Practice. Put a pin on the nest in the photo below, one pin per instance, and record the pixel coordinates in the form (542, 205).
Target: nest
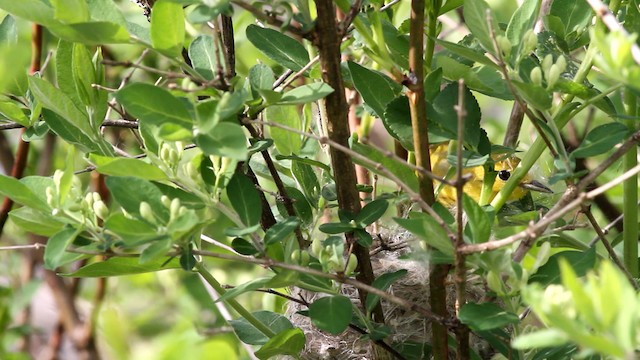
(406, 326)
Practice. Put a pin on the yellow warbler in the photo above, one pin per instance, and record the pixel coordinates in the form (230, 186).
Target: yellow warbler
(447, 194)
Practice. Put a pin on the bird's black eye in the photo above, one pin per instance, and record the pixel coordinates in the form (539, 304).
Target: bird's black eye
(504, 174)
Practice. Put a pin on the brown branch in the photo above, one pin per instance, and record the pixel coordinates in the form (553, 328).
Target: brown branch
(327, 39)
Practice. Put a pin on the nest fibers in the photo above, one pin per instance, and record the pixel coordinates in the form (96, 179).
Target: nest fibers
(406, 326)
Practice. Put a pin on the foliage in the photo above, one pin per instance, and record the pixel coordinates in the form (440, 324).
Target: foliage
(216, 140)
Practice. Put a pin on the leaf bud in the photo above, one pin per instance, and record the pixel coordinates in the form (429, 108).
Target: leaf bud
(536, 76)
(146, 212)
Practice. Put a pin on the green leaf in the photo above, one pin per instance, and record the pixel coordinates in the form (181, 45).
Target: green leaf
(132, 232)
(117, 266)
(282, 49)
(203, 56)
(574, 15)
(336, 228)
(61, 104)
(92, 33)
(32, 10)
(585, 92)
(70, 133)
(383, 282)
(545, 338)
(287, 342)
(280, 231)
(475, 16)
(428, 230)
(154, 105)
(225, 139)
(306, 94)
(243, 247)
(70, 11)
(534, 95)
(248, 334)
(307, 180)
(158, 249)
(396, 167)
(443, 117)
(35, 221)
(20, 193)
(478, 220)
(486, 316)
(244, 199)
(376, 89)
(129, 192)
(13, 112)
(56, 246)
(84, 76)
(286, 142)
(601, 140)
(261, 77)
(467, 52)
(8, 31)
(397, 121)
(331, 314)
(167, 27)
(252, 285)
(119, 166)
(523, 19)
(580, 261)
(371, 212)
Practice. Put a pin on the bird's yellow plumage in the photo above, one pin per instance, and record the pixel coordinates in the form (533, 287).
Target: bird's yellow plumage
(503, 167)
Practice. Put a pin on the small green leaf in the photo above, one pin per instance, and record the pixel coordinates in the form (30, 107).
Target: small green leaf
(336, 228)
(523, 19)
(287, 342)
(167, 27)
(383, 282)
(331, 314)
(307, 179)
(376, 89)
(154, 105)
(56, 246)
(35, 221)
(546, 338)
(306, 94)
(92, 33)
(261, 77)
(281, 230)
(130, 191)
(486, 316)
(279, 47)
(70, 11)
(248, 334)
(371, 212)
(286, 142)
(580, 261)
(243, 247)
(118, 166)
(363, 237)
(397, 121)
(13, 112)
(203, 56)
(475, 16)
(478, 220)
(396, 167)
(20, 193)
(252, 285)
(117, 266)
(132, 232)
(428, 230)
(32, 10)
(601, 140)
(534, 95)
(244, 199)
(156, 250)
(225, 139)
(8, 31)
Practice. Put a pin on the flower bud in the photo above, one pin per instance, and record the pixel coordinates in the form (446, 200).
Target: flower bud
(530, 42)
(561, 63)
(504, 45)
(316, 247)
(536, 76)
(100, 209)
(88, 199)
(96, 196)
(146, 212)
(164, 199)
(304, 258)
(546, 64)
(51, 196)
(553, 76)
(351, 264)
(174, 208)
(295, 256)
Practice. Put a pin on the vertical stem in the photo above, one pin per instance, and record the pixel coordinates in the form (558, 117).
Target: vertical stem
(328, 42)
(630, 198)
(438, 273)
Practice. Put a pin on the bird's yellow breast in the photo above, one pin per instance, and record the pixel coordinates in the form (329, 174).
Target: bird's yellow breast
(473, 188)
